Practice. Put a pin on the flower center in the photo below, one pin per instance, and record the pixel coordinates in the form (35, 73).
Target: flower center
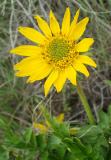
(58, 48)
(59, 52)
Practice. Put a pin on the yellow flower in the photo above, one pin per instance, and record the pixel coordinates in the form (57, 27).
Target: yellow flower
(40, 127)
(57, 54)
(44, 128)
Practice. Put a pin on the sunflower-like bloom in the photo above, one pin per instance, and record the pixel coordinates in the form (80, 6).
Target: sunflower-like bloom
(57, 53)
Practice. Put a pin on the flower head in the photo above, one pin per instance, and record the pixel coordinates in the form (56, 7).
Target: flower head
(57, 55)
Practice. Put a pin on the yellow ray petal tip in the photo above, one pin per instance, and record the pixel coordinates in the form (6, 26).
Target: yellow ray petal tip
(36, 17)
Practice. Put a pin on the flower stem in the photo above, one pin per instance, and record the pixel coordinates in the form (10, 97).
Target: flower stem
(85, 104)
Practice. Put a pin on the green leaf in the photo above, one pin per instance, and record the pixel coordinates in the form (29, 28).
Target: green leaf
(41, 142)
(44, 155)
(53, 141)
(28, 134)
(4, 154)
(104, 120)
(2, 123)
(109, 112)
(61, 129)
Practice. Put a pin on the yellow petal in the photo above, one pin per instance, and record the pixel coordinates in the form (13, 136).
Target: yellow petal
(43, 26)
(29, 68)
(66, 22)
(28, 63)
(32, 34)
(40, 73)
(74, 22)
(40, 127)
(27, 50)
(54, 25)
(87, 60)
(79, 29)
(80, 67)
(84, 45)
(71, 74)
(59, 83)
(60, 118)
(52, 77)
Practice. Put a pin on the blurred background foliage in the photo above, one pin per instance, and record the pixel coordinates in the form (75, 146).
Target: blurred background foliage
(18, 99)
